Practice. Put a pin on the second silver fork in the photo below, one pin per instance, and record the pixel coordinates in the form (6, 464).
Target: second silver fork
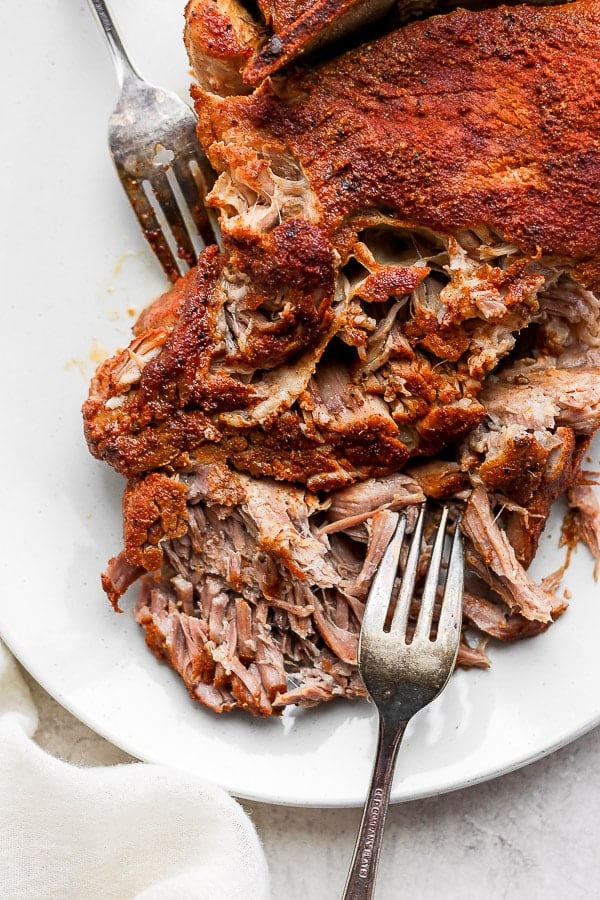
(152, 139)
(402, 677)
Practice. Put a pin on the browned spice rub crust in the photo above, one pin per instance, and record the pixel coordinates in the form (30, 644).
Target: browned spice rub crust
(460, 120)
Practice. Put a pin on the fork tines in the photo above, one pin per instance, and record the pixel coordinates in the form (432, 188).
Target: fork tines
(381, 594)
(153, 142)
(170, 208)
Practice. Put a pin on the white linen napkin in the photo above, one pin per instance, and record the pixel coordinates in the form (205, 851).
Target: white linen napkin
(128, 831)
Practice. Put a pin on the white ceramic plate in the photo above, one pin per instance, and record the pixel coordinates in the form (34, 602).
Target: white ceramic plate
(74, 265)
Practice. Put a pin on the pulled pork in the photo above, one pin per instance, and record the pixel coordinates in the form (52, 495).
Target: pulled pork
(405, 306)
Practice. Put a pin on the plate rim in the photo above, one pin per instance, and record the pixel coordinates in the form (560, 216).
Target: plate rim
(519, 761)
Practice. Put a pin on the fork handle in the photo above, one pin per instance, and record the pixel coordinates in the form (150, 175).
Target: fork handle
(121, 60)
(360, 883)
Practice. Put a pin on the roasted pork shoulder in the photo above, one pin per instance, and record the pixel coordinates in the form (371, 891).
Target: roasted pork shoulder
(405, 306)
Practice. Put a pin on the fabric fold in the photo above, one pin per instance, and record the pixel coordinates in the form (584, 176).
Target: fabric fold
(126, 831)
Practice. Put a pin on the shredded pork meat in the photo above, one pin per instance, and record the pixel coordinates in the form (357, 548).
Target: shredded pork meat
(582, 522)
(397, 313)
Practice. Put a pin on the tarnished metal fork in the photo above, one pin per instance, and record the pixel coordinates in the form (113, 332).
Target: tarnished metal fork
(152, 139)
(403, 677)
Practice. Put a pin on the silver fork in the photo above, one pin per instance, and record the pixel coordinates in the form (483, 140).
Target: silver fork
(402, 677)
(152, 139)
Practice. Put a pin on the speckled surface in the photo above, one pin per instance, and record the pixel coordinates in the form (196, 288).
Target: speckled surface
(531, 834)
